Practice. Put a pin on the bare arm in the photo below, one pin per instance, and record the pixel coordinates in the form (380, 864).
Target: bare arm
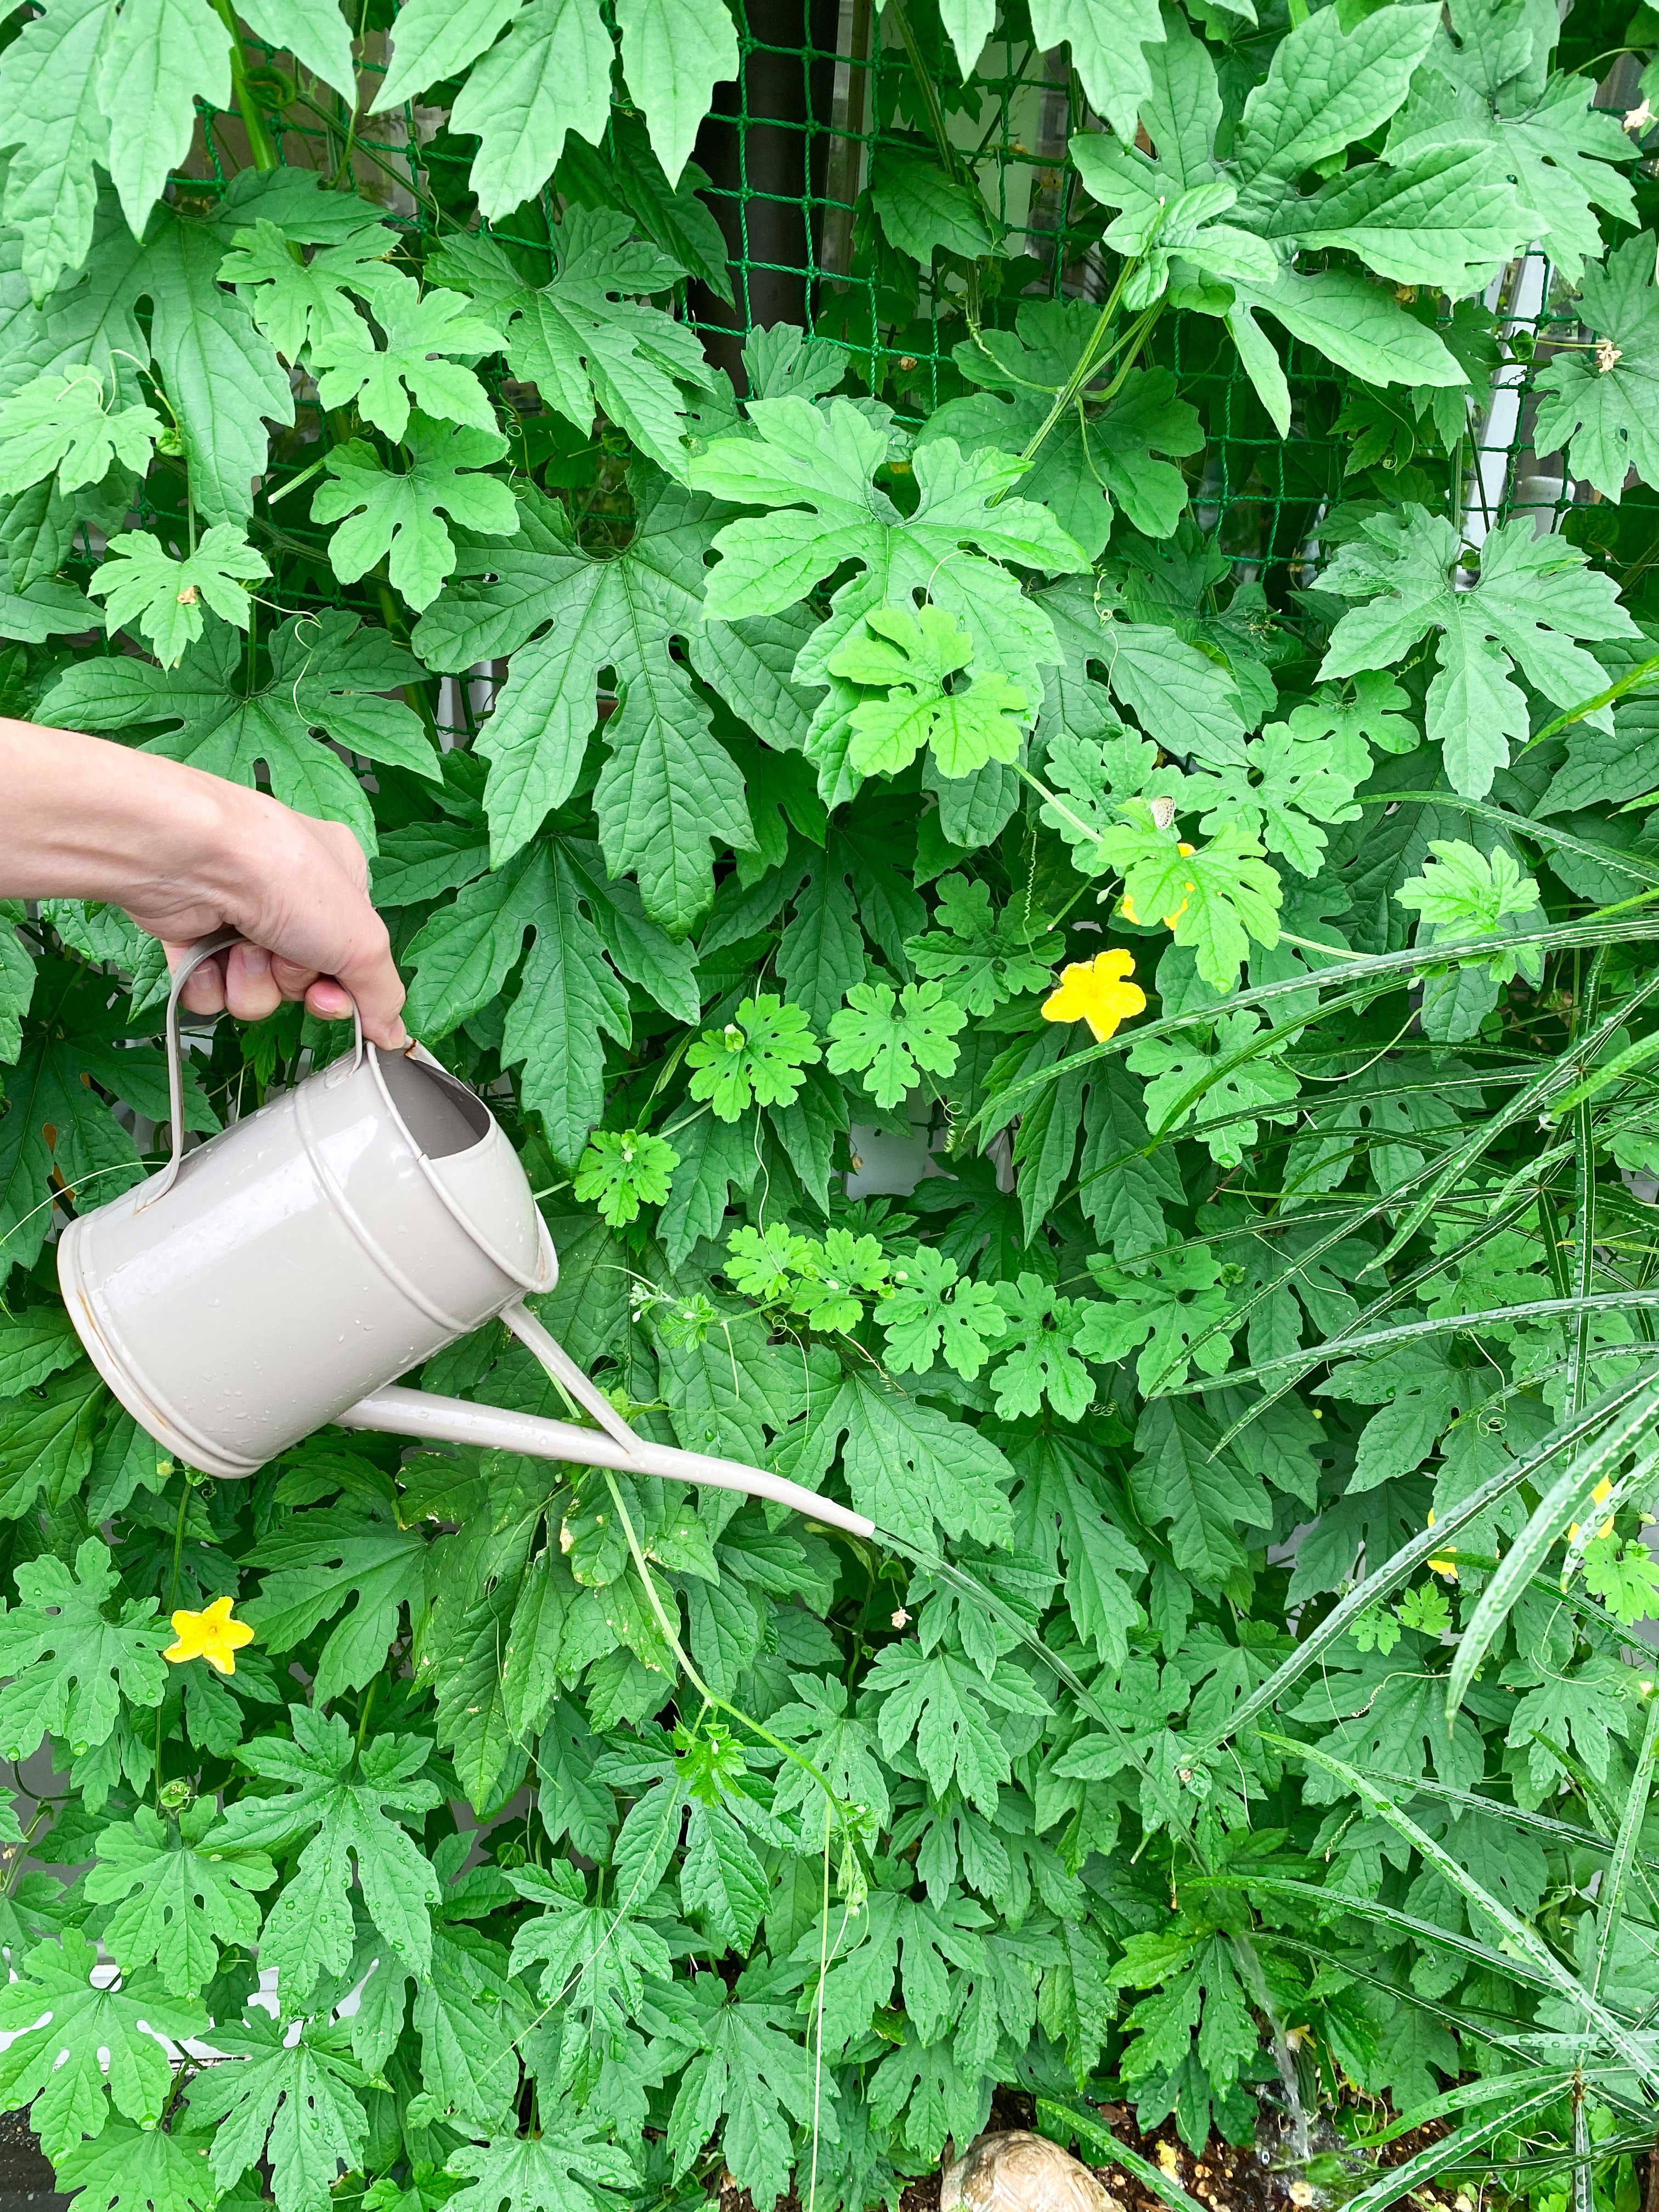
(183, 852)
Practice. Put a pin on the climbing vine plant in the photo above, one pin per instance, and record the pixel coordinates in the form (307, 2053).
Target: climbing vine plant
(910, 731)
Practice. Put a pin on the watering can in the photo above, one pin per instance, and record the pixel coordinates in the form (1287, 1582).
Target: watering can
(284, 1273)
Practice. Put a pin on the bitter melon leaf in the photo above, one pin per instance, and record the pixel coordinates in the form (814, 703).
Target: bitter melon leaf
(823, 459)
(94, 2046)
(384, 382)
(1216, 897)
(343, 1799)
(56, 132)
(922, 207)
(223, 379)
(317, 1564)
(568, 1001)
(1535, 596)
(674, 53)
(1086, 467)
(295, 302)
(979, 957)
(158, 58)
(1289, 785)
(1189, 702)
(293, 2104)
(1601, 402)
(434, 38)
(1447, 217)
(623, 172)
(314, 32)
(40, 610)
(325, 671)
(1231, 1095)
(138, 2169)
(1484, 83)
(70, 1664)
(549, 76)
(34, 1345)
(586, 340)
(58, 425)
(178, 1893)
(916, 655)
(1166, 1303)
(1207, 1498)
(1106, 38)
(759, 1055)
(45, 1443)
(569, 2168)
(397, 516)
(748, 2070)
(1326, 86)
(909, 1465)
(1353, 322)
(933, 1314)
(144, 585)
(888, 1036)
(668, 789)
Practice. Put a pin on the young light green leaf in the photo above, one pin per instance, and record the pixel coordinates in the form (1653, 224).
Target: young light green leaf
(59, 424)
(916, 654)
(144, 585)
(157, 58)
(1600, 400)
(888, 1037)
(756, 1058)
(674, 53)
(70, 1663)
(420, 329)
(383, 515)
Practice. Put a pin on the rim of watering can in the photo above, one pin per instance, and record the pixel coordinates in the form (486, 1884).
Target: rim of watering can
(547, 1271)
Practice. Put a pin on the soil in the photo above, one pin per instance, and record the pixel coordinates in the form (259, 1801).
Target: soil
(25, 2179)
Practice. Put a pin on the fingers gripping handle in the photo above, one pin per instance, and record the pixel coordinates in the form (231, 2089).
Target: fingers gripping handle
(204, 948)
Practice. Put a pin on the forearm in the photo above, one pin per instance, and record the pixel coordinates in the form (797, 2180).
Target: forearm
(81, 818)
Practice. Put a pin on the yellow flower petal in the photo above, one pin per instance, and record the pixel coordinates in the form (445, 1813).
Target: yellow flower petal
(211, 1635)
(1603, 1490)
(1098, 992)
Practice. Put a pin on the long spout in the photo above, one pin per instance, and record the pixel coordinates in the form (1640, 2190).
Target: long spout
(454, 1421)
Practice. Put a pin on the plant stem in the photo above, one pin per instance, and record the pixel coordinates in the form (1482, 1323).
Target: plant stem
(248, 107)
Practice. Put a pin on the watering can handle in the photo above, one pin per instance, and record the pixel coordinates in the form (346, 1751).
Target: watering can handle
(204, 948)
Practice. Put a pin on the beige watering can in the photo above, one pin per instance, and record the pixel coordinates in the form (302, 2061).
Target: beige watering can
(283, 1275)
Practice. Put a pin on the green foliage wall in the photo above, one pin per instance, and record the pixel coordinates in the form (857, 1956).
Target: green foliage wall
(1090, 700)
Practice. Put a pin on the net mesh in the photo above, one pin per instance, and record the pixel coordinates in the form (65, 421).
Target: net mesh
(826, 90)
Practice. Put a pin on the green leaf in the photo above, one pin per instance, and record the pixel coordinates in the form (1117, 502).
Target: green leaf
(293, 2105)
(1489, 84)
(343, 1799)
(94, 2046)
(34, 1345)
(889, 1037)
(56, 132)
(1448, 217)
(58, 425)
(158, 58)
(622, 1170)
(915, 657)
(314, 32)
(932, 1314)
(823, 459)
(569, 999)
(69, 1664)
(45, 1443)
(1327, 85)
(980, 960)
(1218, 1074)
(1190, 701)
(395, 517)
(1106, 43)
(1352, 321)
(750, 2072)
(922, 208)
(668, 789)
(582, 342)
(318, 1562)
(324, 669)
(296, 302)
(758, 1056)
(1040, 1361)
(420, 329)
(1205, 1498)
(909, 1465)
(569, 2170)
(144, 585)
(137, 2169)
(549, 76)
(1598, 399)
(1101, 455)
(674, 53)
(941, 1705)
(1169, 1303)
(1215, 898)
(178, 1894)
(1534, 596)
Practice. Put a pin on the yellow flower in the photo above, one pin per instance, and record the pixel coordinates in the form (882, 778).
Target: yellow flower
(1599, 1496)
(1447, 1564)
(213, 1636)
(1126, 904)
(1098, 992)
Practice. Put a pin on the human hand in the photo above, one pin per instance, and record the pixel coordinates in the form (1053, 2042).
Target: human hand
(297, 889)
(185, 853)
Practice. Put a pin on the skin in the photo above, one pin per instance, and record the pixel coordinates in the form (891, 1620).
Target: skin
(183, 852)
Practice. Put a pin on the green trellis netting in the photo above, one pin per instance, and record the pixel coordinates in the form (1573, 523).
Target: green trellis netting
(786, 161)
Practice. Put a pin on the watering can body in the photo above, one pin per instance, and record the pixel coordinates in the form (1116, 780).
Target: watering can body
(284, 1273)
